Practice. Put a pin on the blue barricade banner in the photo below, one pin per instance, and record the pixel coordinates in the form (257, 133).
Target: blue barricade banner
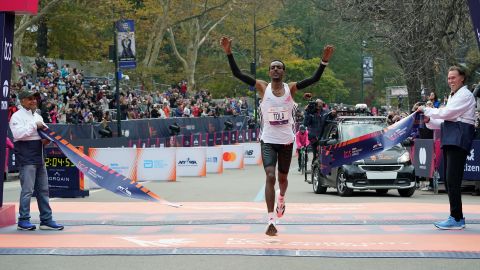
(367, 145)
(102, 175)
(150, 128)
(423, 159)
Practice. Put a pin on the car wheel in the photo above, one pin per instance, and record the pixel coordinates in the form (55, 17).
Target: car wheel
(342, 188)
(316, 182)
(406, 192)
(381, 191)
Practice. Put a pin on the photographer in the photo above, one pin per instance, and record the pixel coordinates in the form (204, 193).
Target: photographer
(315, 116)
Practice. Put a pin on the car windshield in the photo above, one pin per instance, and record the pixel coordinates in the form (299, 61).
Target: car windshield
(353, 129)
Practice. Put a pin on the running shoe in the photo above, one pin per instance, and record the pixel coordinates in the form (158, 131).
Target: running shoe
(25, 225)
(271, 228)
(451, 224)
(51, 225)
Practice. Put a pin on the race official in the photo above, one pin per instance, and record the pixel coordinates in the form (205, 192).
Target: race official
(29, 155)
(457, 124)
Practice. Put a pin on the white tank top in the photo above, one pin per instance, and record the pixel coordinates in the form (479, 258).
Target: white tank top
(277, 117)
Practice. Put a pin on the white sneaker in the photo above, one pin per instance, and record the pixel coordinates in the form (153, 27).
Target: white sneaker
(271, 229)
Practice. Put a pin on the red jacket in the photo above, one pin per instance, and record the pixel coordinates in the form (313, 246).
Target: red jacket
(302, 139)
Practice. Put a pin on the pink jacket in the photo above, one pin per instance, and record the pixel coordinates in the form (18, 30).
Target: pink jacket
(302, 139)
(9, 146)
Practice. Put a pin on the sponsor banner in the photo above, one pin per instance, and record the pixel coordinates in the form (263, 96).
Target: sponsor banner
(423, 158)
(126, 52)
(367, 69)
(218, 138)
(191, 161)
(346, 152)
(233, 156)
(7, 23)
(215, 159)
(233, 137)
(149, 128)
(102, 175)
(197, 140)
(156, 164)
(472, 166)
(241, 136)
(226, 137)
(475, 13)
(187, 141)
(210, 139)
(122, 160)
(253, 135)
(178, 141)
(253, 154)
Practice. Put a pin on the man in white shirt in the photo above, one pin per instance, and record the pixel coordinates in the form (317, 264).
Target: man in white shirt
(457, 124)
(29, 155)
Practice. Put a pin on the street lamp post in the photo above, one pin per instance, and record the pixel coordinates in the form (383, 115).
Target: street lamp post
(117, 80)
(254, 63)
(362, 65)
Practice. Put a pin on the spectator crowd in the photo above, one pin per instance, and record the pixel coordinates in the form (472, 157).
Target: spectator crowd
(67, 96)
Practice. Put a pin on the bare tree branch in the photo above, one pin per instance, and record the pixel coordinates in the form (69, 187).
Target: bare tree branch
(22, 27)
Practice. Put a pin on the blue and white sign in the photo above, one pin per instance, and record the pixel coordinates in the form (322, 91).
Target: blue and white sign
(367, 69)
(7, 22)
(126, 53)
(472, 166)
(475, 13)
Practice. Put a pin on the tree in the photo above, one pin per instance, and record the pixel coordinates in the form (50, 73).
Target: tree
(26, 21)
(421, 34)
(196, 31)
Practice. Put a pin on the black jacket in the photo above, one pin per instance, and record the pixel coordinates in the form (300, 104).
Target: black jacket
(315, 123)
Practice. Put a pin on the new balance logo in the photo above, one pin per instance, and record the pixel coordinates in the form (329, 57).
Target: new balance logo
(471, 157)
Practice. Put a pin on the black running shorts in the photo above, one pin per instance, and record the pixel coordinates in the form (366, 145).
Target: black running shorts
(273, 152)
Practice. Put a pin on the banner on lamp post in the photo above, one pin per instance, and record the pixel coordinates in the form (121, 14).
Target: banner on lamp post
(475, 13)
(126, 53)
(367, 69)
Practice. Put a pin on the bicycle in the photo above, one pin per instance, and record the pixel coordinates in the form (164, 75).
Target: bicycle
(303, 160)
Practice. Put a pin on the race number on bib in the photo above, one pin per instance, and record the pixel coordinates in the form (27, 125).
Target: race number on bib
(278, 116)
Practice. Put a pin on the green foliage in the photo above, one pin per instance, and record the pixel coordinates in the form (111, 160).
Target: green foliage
(289, 30)
(315, 29)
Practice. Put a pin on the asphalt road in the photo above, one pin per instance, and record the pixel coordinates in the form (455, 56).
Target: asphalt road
(237, 186)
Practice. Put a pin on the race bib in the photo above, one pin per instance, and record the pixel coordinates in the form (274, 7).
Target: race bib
(278, 116)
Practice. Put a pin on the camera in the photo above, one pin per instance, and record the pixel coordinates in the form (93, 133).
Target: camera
(311, 107)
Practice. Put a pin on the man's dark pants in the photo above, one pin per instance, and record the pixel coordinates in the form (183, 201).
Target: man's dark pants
(454, 161)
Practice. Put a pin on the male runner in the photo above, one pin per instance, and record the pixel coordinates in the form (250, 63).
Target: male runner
(277, 128)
